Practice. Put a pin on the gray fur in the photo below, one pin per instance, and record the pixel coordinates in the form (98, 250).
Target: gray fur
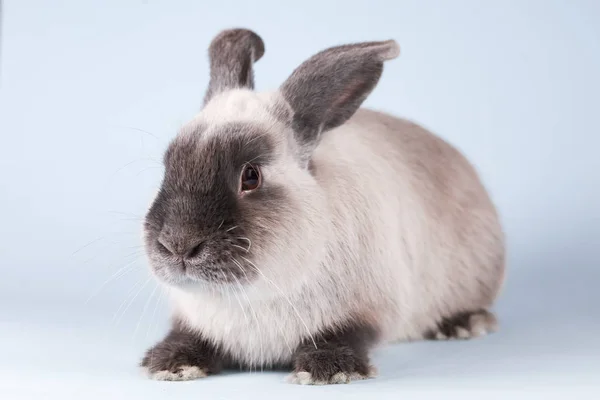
(328, 88)
(232, 54)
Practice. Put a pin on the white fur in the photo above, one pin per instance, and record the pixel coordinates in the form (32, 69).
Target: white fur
(305, 378)
(240, 105)
(394, 228)
(479, 324)
(185, 373)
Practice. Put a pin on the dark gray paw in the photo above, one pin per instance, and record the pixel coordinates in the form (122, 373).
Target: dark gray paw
(180, 357)
(330, 365)
(464, 325)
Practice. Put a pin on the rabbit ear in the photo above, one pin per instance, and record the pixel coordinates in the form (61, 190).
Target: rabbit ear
(232, 53)
(328, 88)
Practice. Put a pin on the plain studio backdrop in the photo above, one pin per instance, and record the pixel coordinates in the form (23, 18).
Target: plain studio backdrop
(91, 93)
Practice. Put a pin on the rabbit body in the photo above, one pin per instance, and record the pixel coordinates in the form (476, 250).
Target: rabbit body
(410, 237)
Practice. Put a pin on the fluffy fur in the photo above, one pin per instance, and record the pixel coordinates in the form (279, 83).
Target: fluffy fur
(364, 223)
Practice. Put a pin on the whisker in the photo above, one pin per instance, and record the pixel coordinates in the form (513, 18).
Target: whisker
(267, 128)
(160, 296)
(249, 242)
(132, 300)
(139, 246)
(286, 299)
(259, 156)
(255, 315)
(222, 222)
(86, 245)
(130, 266)
(153, 320)
(232, 228)
(146, 304)
(237, 263)
(88, 260)
(226, 289)
(141, 130)
(238, 300)
(240, 247)
(136, 219)
(128, 164)
(137, 252)
(148, 168)
(125, 213)
(129, 293)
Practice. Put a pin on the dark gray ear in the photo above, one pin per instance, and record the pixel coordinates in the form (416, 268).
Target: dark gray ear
(328, 88)
(232, 53)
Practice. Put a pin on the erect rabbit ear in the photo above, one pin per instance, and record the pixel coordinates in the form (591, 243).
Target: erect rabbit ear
(328, 88)
(232, 53)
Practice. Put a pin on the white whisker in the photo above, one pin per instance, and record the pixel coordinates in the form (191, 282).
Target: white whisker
(232, 228)
(141, 130)
(257, 157)
(153, 320)
(238, 300)
(128, 164)
(226, 288)
(86, 245)
(249, 242)
(285, 297)
(255, 315)
(132, 300)
(144, 310)
(161, 293)
(240, 247)
(129, 293)
(147, 169)
(237, 263)
(126, 213)
(120, 273)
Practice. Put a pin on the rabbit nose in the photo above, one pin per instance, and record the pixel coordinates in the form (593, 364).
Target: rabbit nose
(181, 247)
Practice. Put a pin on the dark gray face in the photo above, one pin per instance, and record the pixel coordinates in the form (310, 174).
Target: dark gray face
(201, 226)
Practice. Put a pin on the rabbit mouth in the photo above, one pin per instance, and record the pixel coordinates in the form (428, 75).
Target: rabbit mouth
(184, 273)
(233, 272)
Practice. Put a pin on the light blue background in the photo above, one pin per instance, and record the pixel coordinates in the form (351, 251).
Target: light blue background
(513, 84)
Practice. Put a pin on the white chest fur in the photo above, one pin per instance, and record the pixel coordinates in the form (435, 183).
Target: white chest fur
(259, 332)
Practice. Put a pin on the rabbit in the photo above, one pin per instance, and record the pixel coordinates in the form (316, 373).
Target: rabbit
(296, 230)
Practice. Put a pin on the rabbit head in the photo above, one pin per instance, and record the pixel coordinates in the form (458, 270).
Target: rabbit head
(240, 201)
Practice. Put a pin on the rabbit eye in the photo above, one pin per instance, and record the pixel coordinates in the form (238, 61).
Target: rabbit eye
(251, 178)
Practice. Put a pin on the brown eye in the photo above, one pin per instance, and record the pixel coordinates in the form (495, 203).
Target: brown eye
(250, 178)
